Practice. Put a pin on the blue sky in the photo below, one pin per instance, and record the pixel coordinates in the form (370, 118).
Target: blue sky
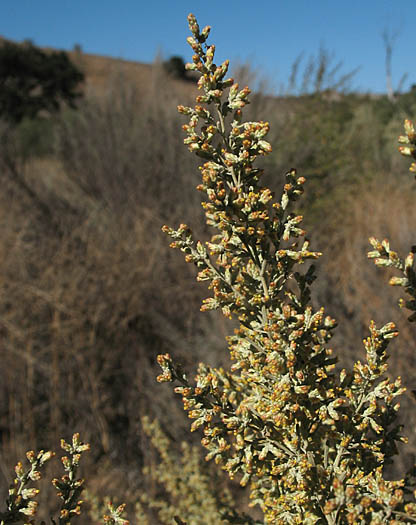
(269, 34)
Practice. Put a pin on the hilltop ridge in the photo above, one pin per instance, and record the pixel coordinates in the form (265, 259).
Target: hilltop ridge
(102, 72)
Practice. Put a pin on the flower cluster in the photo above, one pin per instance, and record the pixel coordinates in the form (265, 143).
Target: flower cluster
(310, 442)
(408, 143)
(383, 255)
(21, 505)
(115, 515)
(69, 487)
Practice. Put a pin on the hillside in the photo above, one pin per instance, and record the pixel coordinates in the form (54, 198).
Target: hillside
(101, 72)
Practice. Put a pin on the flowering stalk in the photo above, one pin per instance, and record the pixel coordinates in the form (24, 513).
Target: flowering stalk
(383, 255)
(408, 143)
(21, 506)
(311, 443)
(69, 487)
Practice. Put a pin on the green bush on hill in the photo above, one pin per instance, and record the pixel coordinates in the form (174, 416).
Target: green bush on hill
(32, 81)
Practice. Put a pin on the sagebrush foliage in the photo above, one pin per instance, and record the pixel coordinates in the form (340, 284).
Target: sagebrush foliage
(21, 506)
(189, 489)
(310, 442)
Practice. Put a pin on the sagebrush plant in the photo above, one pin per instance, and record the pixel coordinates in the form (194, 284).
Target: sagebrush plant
(190, 490)
(21, 506)
(310, 441)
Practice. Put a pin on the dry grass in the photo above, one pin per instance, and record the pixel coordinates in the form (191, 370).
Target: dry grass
(85, 307)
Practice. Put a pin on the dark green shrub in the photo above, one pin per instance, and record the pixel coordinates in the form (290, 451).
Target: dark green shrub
(32, 81)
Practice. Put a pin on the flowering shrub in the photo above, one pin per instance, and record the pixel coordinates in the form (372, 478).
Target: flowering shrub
(21, 504)
(311, 442)
(190, 489)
